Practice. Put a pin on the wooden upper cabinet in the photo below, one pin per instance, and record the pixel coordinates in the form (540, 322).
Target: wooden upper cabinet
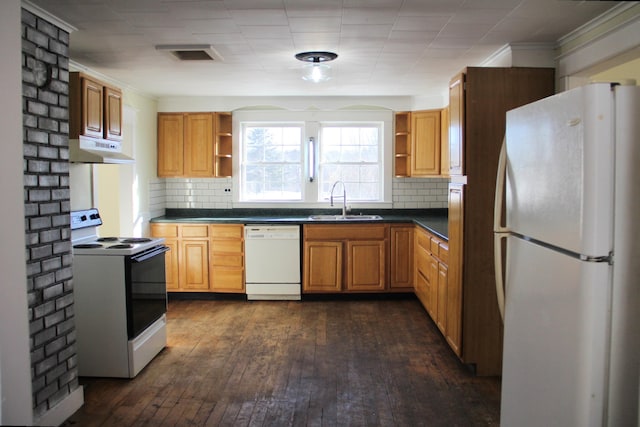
(95, 109)
(456, 125)
(194, 144)
(420, 143)
(425, 143)
(198, 145)
(223, 144)
(112, 114)
(444, 142)
(91, 103)
(402, 144)
(170, 144)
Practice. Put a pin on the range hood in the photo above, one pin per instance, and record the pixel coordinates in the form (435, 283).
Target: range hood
(93, 150)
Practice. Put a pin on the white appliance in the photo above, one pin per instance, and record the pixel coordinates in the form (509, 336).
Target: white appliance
(120, 299)
(572, 272)
(272, 262)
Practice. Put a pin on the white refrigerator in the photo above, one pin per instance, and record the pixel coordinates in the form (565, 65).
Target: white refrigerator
(569, 187)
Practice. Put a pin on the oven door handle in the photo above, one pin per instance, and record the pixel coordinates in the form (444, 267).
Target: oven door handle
(150, 253)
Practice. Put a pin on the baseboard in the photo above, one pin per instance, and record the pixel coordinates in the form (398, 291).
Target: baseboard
(63, 410)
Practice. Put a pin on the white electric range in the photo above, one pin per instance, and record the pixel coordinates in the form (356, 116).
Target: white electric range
(120, 299)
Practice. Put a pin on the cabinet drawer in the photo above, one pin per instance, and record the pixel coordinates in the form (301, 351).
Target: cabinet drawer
(164, 230)
(227, 260)
(423, 240)
(228, 279)
(227, 246)
(444, 252)
(344, 232)
(435, 247)
(226, 231)
(194, 230)
(422, 262)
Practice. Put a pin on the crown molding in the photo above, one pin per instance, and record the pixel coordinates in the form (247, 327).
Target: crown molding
(40, 12)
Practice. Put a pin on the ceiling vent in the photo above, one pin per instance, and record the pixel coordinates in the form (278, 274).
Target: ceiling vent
(190, 52)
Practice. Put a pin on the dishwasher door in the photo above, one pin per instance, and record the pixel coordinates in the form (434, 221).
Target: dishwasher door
(272, 256)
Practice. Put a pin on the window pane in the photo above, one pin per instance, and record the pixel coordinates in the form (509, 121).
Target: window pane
(351, 154)
(272, 163)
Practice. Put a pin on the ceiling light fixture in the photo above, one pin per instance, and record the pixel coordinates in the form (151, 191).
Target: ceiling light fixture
(316, 70)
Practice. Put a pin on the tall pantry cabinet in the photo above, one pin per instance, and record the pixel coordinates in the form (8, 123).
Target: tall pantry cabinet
(478, 101)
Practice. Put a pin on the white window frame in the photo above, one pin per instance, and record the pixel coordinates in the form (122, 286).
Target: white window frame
(312, 120)
(241, 169)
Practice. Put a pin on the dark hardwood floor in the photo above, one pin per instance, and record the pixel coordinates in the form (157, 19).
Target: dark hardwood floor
(315, 363)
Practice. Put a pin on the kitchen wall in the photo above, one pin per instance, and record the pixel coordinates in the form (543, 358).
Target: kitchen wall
(123, 191)
(217, 193)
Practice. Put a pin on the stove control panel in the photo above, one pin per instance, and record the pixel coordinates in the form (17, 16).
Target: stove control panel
(85, 218)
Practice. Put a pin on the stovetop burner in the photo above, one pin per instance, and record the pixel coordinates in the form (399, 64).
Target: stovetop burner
(85, 239)
(87, 246)
(120, 246)
(136, 240)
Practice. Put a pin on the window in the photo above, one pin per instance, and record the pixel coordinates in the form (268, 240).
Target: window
(276, 157)
(272, 162)
(351, 154)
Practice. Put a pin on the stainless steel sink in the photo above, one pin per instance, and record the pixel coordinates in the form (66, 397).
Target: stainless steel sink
(345, 217)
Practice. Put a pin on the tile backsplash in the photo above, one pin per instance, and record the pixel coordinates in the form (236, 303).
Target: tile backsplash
(217, 193)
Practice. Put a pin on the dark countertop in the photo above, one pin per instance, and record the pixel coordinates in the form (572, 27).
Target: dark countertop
(434, 220)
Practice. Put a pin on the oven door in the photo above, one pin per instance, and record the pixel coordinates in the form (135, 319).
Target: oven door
(146, 289)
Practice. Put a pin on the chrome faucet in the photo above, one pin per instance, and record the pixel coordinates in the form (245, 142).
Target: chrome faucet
(344, 197)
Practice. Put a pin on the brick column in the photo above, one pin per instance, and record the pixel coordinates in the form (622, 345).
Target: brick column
(46, 196)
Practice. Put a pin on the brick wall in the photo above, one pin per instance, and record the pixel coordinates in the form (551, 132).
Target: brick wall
(46, 193)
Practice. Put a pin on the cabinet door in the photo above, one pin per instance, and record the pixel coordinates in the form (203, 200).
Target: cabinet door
(198, 145)
(171, 265)
(194, 259)
(456, 125)
(91, 108)
(401, 258)
(454, 280)
(432, 306)
(441, 319)
(170, 145)
(444, 142)
(322, 267)
(366, 265)
(425, 147)
(112, 114)
(170, 233)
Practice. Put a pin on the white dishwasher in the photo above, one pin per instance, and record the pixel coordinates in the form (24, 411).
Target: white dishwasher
(272, 256)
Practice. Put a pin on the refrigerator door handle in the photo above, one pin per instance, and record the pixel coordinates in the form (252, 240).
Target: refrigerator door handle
(500, 232)
(499, 195)
(497, 260)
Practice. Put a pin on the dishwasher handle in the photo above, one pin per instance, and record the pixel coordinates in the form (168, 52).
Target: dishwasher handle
(285, 232)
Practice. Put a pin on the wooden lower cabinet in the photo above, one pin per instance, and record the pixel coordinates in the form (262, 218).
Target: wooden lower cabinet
(345, 258)
(227, 258)
(203, 257)
(193, 265)
(402, 258)
(171, 264)
(432, 286)
(323, 266)
(366, 265)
